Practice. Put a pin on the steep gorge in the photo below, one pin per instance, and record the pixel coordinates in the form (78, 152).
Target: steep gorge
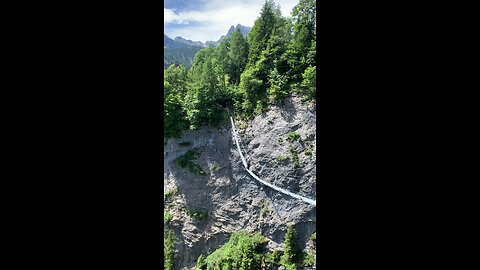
(279, 146)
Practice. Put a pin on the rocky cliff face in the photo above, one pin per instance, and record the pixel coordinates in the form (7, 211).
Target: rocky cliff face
(234, 200)
(243, 29)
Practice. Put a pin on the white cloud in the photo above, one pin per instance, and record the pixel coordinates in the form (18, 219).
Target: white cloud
(216, 17)
(171, 16)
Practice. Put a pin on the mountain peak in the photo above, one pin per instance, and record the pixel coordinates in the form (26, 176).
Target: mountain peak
(243, 29)
(180, 42)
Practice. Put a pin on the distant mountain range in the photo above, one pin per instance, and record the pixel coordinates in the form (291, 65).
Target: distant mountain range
(180, 50)
(243, 29)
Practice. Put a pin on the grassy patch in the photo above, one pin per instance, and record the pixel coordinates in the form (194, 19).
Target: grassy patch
(282, 159)
(295, 159)
(170, 193)
(186, 162)
(293, 136)
(167, 217)
(197, 214)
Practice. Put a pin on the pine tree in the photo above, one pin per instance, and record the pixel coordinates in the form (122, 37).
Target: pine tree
(223, 61)
(169, 250)
(304, 33)
(290, 249)
(201, 263)
(238, 56)
(174, 92)
(261, 31)
(205, 91)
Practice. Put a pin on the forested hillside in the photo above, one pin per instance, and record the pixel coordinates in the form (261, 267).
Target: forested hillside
(276, 59)
(179, 56)
(179, 51)
(216, 216)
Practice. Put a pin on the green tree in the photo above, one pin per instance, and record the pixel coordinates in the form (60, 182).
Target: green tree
(278, 88)
(304, 15)
(169, 250)
(238, 55)
(309, 83)
(206, 93)
(261, 31)
(201, 263)
(278, 56)
(177, 78)
(302, 50)
(265, 78)
(223, 61)
(278, 43)
(249, 91)
(174, 121)
(290, 250)
(239, 253)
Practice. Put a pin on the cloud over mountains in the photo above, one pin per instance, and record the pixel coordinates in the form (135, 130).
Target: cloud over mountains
(205, 20)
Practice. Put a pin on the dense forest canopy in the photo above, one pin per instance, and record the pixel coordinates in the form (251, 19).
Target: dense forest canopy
(248, 74)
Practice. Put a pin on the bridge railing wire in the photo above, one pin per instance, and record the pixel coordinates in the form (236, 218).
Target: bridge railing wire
(286, 192)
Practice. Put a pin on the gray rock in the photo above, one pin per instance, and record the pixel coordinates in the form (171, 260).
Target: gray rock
(232, 198)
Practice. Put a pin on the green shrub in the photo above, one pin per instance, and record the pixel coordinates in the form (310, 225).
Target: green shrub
(313, 237)
(186, 161)
(172, 192)
(295, 159)
(239, 253)
(201, 263)
(282, 159)
(290, 266)
(169, 250)
(308, 153)
(272, 258)
(290, 250)
(309, 82)
(307, 259)
(293, 136)
(167, 217)
(197, 214)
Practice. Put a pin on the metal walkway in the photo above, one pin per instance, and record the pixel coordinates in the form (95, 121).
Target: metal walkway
(286, 192)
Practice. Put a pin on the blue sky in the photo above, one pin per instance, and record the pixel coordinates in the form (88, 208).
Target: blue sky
(203, 20)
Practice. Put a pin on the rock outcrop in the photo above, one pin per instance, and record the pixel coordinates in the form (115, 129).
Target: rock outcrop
(234, 200)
